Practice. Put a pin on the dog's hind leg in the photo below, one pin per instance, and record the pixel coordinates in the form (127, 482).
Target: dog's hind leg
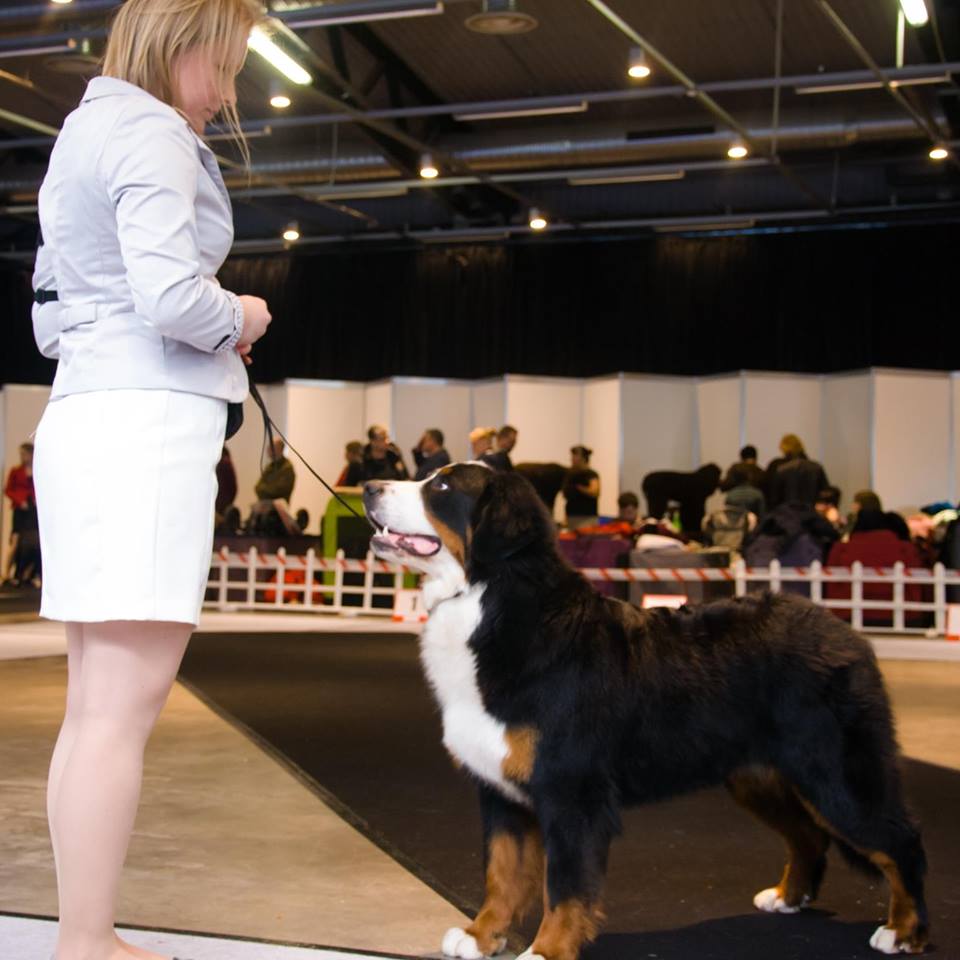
(770, 798)
(514, 875)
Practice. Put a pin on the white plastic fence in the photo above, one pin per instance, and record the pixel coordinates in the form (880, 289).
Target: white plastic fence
(272, 581)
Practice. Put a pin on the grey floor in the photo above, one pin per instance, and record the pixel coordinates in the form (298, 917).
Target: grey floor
(231, 846)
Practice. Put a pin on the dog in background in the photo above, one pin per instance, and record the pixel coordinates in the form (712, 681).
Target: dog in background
(564, 705)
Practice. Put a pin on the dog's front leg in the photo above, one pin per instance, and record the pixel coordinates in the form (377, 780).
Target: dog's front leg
(514, 874)
(577, 828)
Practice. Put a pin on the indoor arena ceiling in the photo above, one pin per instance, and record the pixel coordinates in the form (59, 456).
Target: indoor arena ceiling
(835, 131)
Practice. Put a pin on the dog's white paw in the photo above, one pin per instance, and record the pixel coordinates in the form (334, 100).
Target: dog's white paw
(770, 901)
(459, 943)
(528, 954)
(884, 939)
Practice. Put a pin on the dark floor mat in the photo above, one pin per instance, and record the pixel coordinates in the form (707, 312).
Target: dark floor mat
(353, 712)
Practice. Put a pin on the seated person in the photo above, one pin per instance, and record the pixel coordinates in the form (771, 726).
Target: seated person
(382, 459)
(274, 487)
(867, 500)
(352, 473)
(741, 493)
(628, 508)
(506, 440)
(875, 544)
(429, 454)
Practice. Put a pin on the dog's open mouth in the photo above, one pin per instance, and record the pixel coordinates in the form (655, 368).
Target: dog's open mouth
(416, 544)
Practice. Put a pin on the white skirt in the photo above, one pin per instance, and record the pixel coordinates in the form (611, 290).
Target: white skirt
(126, 484)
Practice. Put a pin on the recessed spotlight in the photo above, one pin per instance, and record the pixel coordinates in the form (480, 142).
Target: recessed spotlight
(428, 169)
(638, 67)
(292, 233)
(939, 152)
(738, 150)
(62, 2)
(537, 220)
(500, 17)
(280, 101)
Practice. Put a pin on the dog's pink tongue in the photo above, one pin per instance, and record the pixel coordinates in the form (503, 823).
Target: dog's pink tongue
(422, 545)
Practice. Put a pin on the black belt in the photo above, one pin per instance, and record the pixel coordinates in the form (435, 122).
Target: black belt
(44, 296)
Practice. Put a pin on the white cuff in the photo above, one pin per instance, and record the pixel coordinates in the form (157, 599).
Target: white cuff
(228, 343)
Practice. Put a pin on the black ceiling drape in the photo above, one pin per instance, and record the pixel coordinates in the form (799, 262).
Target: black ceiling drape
(817, 302)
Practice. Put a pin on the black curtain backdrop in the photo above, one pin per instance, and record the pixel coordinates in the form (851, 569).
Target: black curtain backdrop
(808, 301)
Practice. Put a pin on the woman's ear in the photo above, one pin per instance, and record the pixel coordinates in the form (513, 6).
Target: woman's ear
(508, 517)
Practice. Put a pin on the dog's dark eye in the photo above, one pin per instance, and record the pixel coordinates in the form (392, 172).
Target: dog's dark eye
(440, 484)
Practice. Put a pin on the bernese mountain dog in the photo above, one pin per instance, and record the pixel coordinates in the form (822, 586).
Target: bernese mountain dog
(565, 705)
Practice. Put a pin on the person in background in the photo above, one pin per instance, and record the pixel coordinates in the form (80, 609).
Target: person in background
(506, 440)
(628, 508)
(581, 489)
(136, 224)
(828, 506)
(382, 459)
(352, 473)
(429, 454)
(481, 442)
(740, 492)
(23, 501)
(795, 478)
(278, 477)
(226, 484)
(745, 471)
(867, 510)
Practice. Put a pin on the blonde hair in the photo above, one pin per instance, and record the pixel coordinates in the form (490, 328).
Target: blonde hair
(147, 37)
(792, 446)
(482, 433)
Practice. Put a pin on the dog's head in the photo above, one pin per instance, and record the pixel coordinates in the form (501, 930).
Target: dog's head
(465, 513)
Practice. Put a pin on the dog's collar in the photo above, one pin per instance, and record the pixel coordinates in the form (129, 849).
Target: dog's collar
(433, 597)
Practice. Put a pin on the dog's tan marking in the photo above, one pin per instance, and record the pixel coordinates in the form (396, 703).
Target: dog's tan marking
(565, 928)
(903, 908)
(451, 540)
(521, 753)
(514, 872)
(765, 793)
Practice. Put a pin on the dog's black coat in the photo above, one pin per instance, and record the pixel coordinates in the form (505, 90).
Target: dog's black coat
(633, 706)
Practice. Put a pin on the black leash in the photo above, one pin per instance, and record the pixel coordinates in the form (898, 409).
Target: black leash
(269, 426)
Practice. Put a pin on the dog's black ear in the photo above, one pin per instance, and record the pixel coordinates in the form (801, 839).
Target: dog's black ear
(508, 517)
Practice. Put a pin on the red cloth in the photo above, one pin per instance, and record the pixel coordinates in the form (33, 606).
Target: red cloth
(19, 488)
(876, 548)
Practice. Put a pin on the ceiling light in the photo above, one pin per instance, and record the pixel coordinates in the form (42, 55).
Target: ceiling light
(579, 107)
(501, 17)
(280, 101)
(537, 220)
(626, 178)
(939, 152)
(738, 150)
(292, 232)
(638, 67)
(260, 43)
(61, 1)
(364, 12)
(694, 226)
(915, 11)
(428, 169)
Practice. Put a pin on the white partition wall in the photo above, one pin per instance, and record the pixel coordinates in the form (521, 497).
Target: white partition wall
(719, 426)
(602, 416)
(488, 407)
(779, 403)
(847, 432)
(419, 403)
(954, 437)
(912, 445)
(547, 414)
(23, 406)
(378, 406)
(322, 418)
(659, 426)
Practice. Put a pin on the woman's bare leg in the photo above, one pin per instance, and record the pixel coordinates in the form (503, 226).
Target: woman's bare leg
(126, 670)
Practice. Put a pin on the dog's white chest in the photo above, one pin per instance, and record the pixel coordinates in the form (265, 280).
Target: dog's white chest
(471, 735)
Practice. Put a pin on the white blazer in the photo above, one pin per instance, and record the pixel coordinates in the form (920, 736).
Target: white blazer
(136, 222)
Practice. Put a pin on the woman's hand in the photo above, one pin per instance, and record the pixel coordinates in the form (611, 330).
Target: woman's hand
(256, 319)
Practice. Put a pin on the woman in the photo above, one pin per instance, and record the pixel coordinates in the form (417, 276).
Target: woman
(136, 223)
